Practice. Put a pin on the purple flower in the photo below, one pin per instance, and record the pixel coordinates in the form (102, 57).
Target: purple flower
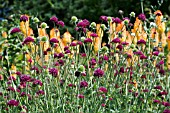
(166, 104)
(53, 71)
(141, 41)
(122, 70)
(28, 40)
(103, 18)
(117, 20)
(145, 90)
(162, 72)
(60, 55)
(61, 62)
(23, 94)
(93, 35)
(163, 93)
(71, 85)
(116, 40)
(156, 53)
(83, 84)
(106, 58)
(138, 53)
(161, 62)
(15, 30)
(156, 101)
(10, 88)
(120, 47)
(93, 61)
(73, 44)
(98, 72)
(54, 19)
(37, 82)
(103, 90)
(67, 51)
(166, 111)
(84, 23)
(25, 78)
(143, 57)
(66, 48)
(142, 17)
(13, 102)
(61, 23)
(80, 96)
(54, 40)
(158, 87)
(23, 18)
(88, 40)
(40, 92)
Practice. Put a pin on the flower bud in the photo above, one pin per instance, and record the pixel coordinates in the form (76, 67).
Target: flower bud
(132, 14)
(81, 68)
(93, 25)
(109, 19)
(44, 39)
(103, 26)
(82, 39)
(74, 19)
(44, 25)
(36, 20)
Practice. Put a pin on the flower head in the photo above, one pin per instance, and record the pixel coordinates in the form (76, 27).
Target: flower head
(23, 18)
(103, 90)
(54, 40)
(53, 71)
(28, 40)
(93, 35)
(61, 23)
(98, 72)
(15, 30)
(54, 19)
(142, 17)
(13, 102)
(103, 18)
(116, 40)
(83, 84)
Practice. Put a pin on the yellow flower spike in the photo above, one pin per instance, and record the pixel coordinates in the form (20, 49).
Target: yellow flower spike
(24, 27)
(168, 61)
(99, 31)
(159, 23)
(135, 84)
(42, 32)
(66, 38)
(13, 70)
(163, 40)
(168, 40)
(112, 31)
(4, 34)
(55, 33)
(128, 38)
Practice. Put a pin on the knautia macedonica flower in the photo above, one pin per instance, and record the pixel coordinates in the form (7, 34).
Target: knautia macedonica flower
(158, 87)
(25, 78)
(117, 20)
(98, 72)
(15, 30)
(54, 40)
(93, 35)
(141, 41)
(40, 92)
(88, 40)
(23, 18)
(84, 23)
(116, 40)
(60, 23)
(166, 111)
(13, 102)
(83, 84)
(142, 17)
(103, 89)
(54, 19)
(28, 40)
(80, 96)
(53, 71)
(103, 18)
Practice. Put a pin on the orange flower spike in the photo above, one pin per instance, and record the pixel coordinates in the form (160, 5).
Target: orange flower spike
(159, 23)
(13, 70)
(168, 40)
(66, 38)
(112, 31)
(4, 34)
(24, 24)
(168, 61)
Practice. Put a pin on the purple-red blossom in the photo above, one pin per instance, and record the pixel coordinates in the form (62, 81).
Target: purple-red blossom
(103, 90)
(116, 40)
(54, 19)
(83, 84)
(103, 18)
(93, 35)
(54, 40)
(88, 40)
(23, 18)
(53, 71)
(13, 102)
(28, 40)
(142, 17)
(98, 72)
(60, 23)
(15, 30)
